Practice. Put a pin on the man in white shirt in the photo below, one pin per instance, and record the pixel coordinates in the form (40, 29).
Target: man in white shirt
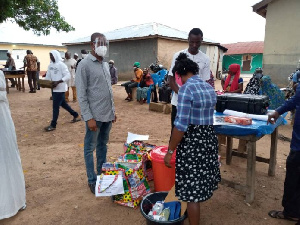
(71, 64)
(195, 38)
(59, 74)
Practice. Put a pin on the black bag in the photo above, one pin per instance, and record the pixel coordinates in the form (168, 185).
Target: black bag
(165, 94)
(252, 104)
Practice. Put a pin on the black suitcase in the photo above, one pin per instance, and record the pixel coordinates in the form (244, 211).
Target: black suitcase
(252, 104)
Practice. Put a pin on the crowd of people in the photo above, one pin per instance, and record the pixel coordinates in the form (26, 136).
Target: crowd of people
(197, 172)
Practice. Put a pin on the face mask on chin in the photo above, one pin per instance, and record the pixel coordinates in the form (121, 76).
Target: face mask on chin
(101, 50)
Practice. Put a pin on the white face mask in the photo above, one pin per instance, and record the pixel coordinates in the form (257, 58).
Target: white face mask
(101, 50)
(84, 55)
(110, 65)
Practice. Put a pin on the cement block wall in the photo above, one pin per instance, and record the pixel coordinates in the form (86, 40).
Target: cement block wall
(281, 46)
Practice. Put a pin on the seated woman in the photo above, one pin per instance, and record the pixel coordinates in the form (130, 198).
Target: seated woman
(197, 171)
(233, 83)
(272, 91)
(142, 90)
(253, 86)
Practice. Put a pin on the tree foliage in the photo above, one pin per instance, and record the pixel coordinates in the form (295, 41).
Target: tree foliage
(36, 15)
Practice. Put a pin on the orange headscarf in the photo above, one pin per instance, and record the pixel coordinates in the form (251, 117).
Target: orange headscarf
(236, 70)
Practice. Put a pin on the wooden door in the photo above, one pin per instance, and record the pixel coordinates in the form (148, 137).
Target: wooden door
(247, 62)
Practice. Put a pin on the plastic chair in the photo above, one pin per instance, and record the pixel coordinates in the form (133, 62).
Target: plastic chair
(155, 77)
(161, 76)
(149, 93)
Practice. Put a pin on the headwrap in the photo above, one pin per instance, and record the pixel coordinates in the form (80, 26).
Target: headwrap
(236, 69)
(272, 91)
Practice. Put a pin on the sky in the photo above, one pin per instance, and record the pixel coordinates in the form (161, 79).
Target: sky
(223, 21)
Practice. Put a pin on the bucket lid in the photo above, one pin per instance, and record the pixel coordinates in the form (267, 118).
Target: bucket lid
(159, 152)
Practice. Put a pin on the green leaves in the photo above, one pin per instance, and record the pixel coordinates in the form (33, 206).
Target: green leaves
(36, 15)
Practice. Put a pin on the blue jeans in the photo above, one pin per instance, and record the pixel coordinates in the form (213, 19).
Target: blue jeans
(59, 100)
(96, 139)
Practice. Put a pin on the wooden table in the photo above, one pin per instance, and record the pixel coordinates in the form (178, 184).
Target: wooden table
(19, 85)
(250, 155)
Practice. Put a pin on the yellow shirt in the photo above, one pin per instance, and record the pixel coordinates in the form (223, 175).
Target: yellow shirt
(138, 75)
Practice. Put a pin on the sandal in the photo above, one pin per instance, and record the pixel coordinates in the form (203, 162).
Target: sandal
(49, 128)
(279, 215)
(75, 119)
(127, 98)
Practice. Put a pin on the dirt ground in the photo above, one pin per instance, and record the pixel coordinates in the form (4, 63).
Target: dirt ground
(56, 183)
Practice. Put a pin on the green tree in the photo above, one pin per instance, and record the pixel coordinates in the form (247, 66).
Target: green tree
(36, 15)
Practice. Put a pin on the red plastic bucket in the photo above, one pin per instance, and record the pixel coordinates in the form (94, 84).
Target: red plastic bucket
(164, 177)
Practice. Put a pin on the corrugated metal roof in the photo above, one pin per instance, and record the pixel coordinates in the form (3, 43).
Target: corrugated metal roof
(244, 47)
(141, 31)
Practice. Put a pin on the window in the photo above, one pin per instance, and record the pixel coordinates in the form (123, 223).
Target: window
(3, 55)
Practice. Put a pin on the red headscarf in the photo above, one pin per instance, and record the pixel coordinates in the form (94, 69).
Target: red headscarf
(236, 70)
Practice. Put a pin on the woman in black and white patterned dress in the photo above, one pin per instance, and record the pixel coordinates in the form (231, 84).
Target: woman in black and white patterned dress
(197, 167)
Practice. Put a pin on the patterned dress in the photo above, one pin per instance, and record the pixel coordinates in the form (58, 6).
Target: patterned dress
(253, 86)
(197, 168)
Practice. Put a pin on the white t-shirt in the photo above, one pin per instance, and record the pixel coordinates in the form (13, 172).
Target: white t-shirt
(58, 71)
(204, 68)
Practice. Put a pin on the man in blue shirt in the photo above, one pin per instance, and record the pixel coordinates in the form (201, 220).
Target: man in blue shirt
(296, 77)
(291, 195)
